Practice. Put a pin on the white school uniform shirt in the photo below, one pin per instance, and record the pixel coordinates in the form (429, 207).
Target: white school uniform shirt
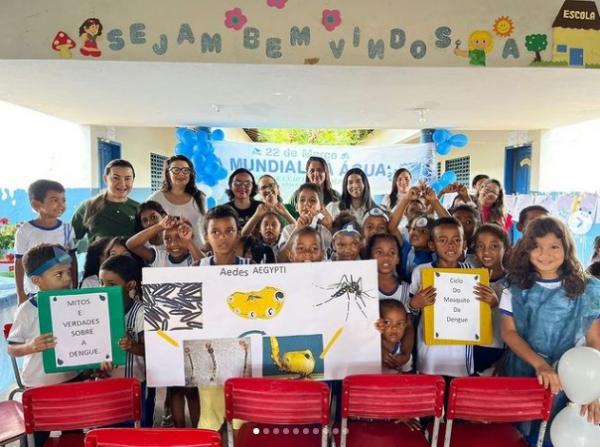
(402, 293)
(25, 328)
(135, 365)
(446, 360)
(189, 211)
(29, 235)
(90, 282)
(405, 368)
(163, 259)
(334, 209)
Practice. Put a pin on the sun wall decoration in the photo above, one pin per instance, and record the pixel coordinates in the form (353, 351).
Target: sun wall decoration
(503, 26)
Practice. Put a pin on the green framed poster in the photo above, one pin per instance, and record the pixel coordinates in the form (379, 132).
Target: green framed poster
(87, 325)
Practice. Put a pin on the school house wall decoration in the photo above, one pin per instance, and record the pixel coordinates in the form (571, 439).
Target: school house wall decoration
(473, 33)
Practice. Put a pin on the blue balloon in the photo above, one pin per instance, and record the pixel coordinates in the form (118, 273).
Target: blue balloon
(183, 149)
(210, 180)
(211, 202)
(200, 148)
(443, 148)
(221, 173)
(217, 135)
(448, 178)
(202, 135)
(459, 140)
(437, 187)
(186, 136)
(440, 136)
(198, 159)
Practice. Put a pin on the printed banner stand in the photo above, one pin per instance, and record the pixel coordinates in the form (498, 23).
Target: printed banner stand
(457, 317)
(87, 324)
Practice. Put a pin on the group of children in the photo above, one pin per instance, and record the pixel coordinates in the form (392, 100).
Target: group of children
(542, 301)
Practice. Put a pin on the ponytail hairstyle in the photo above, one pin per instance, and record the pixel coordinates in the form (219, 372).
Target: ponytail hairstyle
(394, 193)
(329, 194)
(523, 273)
(95, 206)
(94, 255)
(190, 188)
(498, 210)
(346, 200)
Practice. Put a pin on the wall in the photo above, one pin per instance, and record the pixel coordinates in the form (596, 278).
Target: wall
(352, 32)
(136, 145)
(570, 158)
(35, 146)
(487, 152)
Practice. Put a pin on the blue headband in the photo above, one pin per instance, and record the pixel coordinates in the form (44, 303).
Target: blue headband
(60, 257)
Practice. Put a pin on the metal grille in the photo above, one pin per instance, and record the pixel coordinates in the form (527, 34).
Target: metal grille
(439, 169)
(157, 165)
(461, 167)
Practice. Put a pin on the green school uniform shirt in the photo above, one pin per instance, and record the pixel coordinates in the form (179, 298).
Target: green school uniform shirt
(116, 219)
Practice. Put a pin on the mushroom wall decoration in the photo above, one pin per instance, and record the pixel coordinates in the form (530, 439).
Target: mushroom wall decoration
(63, 44)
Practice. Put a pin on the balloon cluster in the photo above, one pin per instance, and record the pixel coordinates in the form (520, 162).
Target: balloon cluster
(446, 179)
(444, 141)
(197, 146)
(579, 374)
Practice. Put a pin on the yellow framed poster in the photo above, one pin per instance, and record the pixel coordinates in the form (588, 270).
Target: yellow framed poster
(457, 317)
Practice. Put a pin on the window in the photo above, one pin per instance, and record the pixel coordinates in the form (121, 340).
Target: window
(439, 169)
(157, 165)
(461, 167)
(561, 48)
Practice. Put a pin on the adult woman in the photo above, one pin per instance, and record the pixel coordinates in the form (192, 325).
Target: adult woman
(268, 189)
(111, 213)
(179, 195)
(356, 196)
(491, 205)
(317, 172)
(241, 192)
(401, 183)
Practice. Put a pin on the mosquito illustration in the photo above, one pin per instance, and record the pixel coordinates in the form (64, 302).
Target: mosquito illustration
(352, 289)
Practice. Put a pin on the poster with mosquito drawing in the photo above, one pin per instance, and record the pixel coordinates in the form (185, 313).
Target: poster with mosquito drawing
(310, 320)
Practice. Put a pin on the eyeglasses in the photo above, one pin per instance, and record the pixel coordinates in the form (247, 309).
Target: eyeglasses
(177, 171)
(246, 183)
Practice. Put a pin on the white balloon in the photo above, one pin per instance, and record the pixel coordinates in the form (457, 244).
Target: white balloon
(569, 429)
(579, 373)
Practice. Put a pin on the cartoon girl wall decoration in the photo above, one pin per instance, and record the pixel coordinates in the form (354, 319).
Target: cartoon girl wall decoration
(90, 32)
(480, 44)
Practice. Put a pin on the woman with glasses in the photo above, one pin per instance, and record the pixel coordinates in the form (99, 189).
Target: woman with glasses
(179, 195)
(491, 205)
(241, 192)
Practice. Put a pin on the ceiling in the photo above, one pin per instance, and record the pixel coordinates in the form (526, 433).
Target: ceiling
(236, 95)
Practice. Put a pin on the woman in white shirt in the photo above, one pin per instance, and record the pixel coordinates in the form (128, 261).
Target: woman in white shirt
(401, 183)
(179, 195)
(356, 195)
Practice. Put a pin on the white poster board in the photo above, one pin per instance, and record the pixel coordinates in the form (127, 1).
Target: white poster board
(81, 326)
(456, 310)
(206, 324)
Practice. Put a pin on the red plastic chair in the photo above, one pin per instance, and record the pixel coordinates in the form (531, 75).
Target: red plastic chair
(20, 387)
(495, 401)
(152, 437)
(398, 397)
(277, 412)
(11, 422)
(73, 406)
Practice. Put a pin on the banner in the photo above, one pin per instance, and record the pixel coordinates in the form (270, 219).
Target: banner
(287, 162)
(204, 325)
